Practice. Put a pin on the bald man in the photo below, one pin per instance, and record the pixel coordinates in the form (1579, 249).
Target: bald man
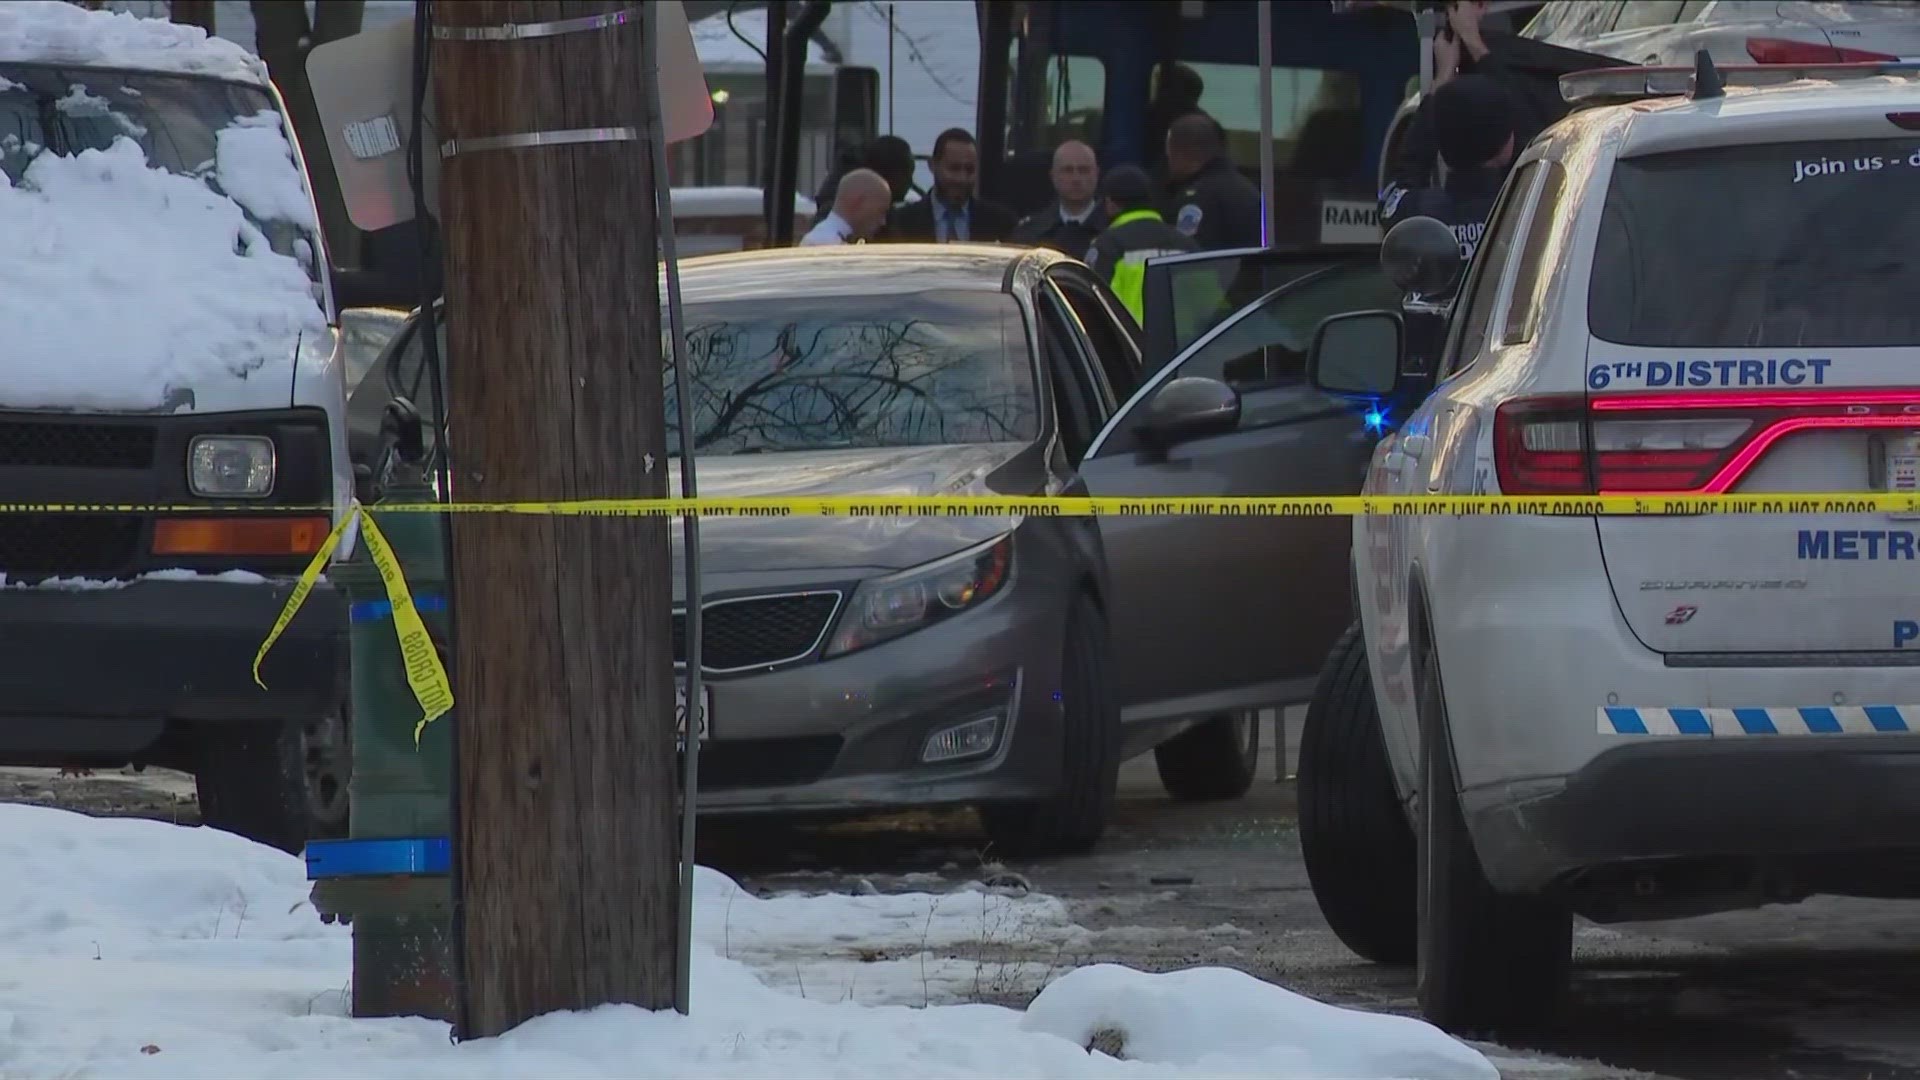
(1076, 216)
(860, 203)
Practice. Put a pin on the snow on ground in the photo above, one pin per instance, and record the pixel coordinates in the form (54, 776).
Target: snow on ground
(134, 948)
(54, 30)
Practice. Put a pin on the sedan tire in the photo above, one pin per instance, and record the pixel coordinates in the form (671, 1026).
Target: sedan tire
(1215, 760)
(1089, 720)
(1354, 836)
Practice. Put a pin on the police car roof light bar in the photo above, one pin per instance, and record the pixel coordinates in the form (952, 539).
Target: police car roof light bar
(1614, 85)
(1706, 81)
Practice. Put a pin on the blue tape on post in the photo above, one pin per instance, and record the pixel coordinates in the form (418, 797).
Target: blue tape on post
(375, 610)
(377, 858)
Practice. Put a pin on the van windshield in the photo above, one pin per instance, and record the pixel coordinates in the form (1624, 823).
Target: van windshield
(176, 120)
(1784, 245)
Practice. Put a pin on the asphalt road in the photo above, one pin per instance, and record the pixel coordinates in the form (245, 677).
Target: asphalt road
(1823, 989)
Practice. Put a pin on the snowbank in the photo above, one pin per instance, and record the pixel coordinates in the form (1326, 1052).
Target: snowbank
(54, 31)
(119, 281)
(138, 949)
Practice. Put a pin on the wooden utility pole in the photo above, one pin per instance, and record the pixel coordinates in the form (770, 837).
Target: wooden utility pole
(564, 671)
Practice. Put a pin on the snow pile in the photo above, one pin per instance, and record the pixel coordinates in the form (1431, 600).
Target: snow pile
(120, 282)
(1217, 1020)
(54, 31)
(134, 948)
(256, 167)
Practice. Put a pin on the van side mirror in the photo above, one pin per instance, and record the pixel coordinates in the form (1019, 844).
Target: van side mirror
(1421, 256)
(1357, 353)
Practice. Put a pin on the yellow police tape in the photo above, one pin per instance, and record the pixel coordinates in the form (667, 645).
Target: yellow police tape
(427, 676)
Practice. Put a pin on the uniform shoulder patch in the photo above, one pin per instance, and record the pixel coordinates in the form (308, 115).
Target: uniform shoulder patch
(1188, 219)
(1092, 256)
(1392, 203)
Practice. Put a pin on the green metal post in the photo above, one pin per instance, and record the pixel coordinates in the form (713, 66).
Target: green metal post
(402, 925)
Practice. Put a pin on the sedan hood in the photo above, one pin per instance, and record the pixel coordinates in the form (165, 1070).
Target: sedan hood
(861, 546)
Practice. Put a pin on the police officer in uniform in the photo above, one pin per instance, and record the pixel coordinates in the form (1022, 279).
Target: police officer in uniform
(1137, 233)
(1213, 203)
(1474, 128)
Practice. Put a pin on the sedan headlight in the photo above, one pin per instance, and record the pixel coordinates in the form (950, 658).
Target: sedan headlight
(230, 466)
(885, 608)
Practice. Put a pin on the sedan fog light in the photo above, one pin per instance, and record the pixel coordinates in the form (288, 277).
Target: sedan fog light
(963, 740)
(230, 466)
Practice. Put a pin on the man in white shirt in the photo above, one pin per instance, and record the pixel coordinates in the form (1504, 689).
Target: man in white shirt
(860, 205)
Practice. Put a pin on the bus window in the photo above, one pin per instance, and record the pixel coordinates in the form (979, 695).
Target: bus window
(1076, 99)
(1319, 132)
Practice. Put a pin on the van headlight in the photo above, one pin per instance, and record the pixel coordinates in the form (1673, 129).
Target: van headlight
(230, 466)
(885, 608)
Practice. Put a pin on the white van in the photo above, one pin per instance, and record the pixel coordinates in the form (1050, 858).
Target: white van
(167, 337)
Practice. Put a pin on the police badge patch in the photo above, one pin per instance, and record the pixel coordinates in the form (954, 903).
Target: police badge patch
(1188, 220)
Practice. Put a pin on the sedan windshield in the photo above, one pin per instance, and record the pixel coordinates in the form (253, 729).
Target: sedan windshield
(856, 372)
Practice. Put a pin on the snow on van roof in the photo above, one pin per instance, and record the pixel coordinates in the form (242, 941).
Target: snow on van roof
(57, 32)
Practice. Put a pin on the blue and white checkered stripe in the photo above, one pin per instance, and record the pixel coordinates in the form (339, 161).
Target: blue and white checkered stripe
(1838, 720)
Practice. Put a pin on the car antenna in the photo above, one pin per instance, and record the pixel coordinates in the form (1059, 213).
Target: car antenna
(1706, 78)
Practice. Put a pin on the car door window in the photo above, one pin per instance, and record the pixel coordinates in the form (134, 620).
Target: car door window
(1586, 19)
(1119, 356)
(1530, 277)
(1268, 348)
(1261, 352)
(1075, 399)
(1691, 10)
(1482, 289)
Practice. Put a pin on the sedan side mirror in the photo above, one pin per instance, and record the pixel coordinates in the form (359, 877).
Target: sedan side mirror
(1357, 353)
(1189, 408)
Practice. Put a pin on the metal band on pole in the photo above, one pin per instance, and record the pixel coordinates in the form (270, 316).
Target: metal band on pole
(522, 31)
(454, 147)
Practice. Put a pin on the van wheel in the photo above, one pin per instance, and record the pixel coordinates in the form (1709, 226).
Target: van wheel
(1214, 760)
(1075, 819)
(251, 780)
(1354, 836)
(1492, 966)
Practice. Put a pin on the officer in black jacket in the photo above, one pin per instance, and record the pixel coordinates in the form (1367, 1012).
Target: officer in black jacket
(1075, 217)
(1474, 126)
(1213, 203)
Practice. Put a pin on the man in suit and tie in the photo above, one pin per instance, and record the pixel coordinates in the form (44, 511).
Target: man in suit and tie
(952, 214)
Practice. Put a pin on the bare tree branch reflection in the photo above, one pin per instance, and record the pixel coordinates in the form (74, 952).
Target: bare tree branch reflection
(839, 372)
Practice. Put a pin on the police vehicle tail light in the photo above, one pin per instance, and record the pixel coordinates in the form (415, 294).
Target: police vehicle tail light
(1554, 445)
(1778, 51)
(1671, 442)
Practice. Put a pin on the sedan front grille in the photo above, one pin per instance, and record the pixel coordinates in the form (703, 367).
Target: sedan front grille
(59, 444)
(757, 631)
(72, 543)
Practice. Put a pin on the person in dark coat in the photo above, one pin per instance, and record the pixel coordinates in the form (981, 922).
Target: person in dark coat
(953, 212)
(1213, 203)
(1076, 216)
(1474, 125)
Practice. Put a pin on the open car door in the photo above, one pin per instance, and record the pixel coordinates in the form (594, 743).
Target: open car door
(1217, 614)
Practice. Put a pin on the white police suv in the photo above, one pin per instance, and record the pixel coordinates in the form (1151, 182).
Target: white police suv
(1699, 281)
